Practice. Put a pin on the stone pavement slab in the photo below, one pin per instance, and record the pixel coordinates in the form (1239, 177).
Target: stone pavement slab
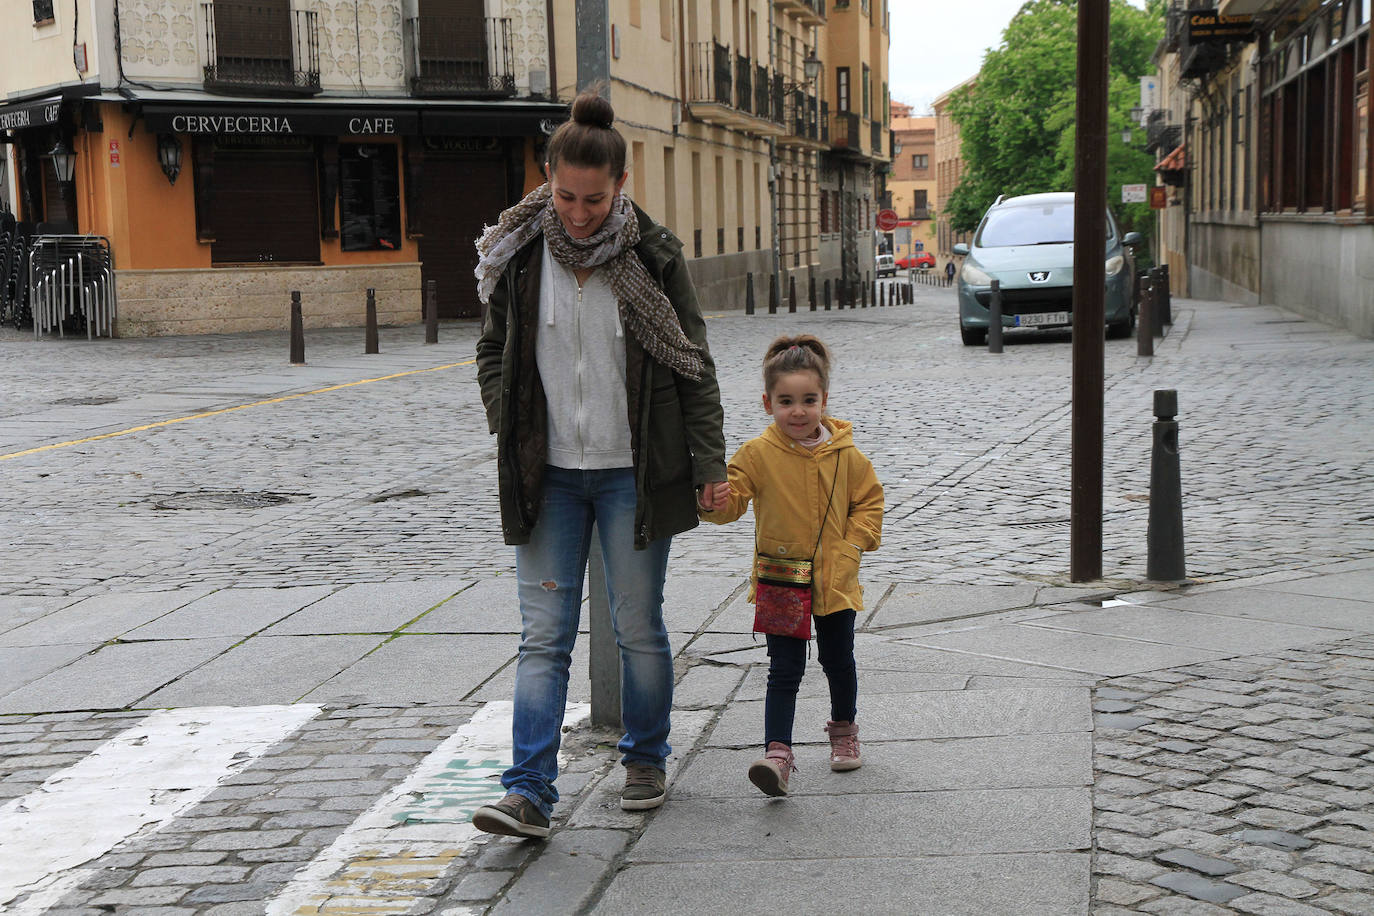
(19, 666)
(266, 670)
(841, 827)
(115, 677)
(230, 612)
(908, 605)
(1270, 603)
(1046, 884)
(1355, 585)
(418, 669)
(17, 610)
(1179, 628)
(1011, 761)
(935, 714)
(1073, 651)
(100, 618)
(373, 607)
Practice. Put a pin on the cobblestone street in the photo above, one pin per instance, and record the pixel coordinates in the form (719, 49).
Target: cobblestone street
(260, 617)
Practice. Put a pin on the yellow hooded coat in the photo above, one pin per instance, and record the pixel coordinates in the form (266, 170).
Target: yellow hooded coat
(790, 485)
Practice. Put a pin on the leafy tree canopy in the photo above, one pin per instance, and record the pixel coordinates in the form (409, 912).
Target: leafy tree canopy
(1017, 119)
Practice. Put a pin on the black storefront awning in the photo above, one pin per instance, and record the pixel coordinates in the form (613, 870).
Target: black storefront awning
(30, 113)
(404, 118)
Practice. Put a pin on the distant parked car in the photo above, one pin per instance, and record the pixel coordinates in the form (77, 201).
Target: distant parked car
(921, 260)
(883, 266)
(1026, 243)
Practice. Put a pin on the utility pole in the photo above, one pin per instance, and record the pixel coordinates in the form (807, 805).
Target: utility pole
(1089, 292)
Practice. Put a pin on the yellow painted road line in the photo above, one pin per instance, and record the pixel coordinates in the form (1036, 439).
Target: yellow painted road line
(215, 413)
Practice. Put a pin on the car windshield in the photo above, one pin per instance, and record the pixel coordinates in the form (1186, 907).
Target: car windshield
(1046, 224)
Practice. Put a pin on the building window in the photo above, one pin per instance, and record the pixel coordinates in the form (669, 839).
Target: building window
(825, 211)
(265, 207)
(842, 89)
(920, 204)
(369, 197)
(920, 160)
(42, 12)
(867, 110)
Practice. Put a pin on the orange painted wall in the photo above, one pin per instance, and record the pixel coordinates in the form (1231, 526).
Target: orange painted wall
(331, 250)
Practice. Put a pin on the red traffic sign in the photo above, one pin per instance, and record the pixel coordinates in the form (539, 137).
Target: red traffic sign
(887, 220)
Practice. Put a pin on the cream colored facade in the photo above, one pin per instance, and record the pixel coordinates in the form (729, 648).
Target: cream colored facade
(949, 168)
(913, 185)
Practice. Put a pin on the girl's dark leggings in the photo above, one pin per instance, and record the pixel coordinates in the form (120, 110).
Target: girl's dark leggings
(787, 664)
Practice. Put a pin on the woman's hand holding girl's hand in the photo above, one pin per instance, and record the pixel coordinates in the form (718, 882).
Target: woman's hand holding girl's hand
(714, 496)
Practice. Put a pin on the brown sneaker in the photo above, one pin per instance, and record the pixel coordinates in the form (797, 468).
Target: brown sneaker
(844, 746)
(514, 815)
(644, 787)
(771, 771)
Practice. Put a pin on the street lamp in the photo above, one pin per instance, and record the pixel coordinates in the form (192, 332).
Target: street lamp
(63, 162)
(811, 68)
(169, 156)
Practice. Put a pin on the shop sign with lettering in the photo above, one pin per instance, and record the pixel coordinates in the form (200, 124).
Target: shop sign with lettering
(30, 114)
(281, 122)
(1210, 25)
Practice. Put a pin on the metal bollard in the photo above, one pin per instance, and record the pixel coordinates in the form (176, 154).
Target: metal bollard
(1144, 319)
(811, 291)
(1157, 294)
(792, 293)
(1165, 298)
(1164, 539)
(370, 335)
(749, 294)
(431, 312)
(297, 330)
(827, 295)
(995, 318)
(863, 292)
(772, 294)
(603, 652)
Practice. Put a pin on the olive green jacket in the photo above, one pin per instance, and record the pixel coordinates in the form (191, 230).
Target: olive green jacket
(675, 423)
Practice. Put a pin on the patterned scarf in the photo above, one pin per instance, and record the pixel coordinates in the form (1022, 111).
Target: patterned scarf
(644, 309)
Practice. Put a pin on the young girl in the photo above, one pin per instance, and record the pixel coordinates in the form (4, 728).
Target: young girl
(813, 491)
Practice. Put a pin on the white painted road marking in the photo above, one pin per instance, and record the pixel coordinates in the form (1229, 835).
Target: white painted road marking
(145, 775)
(394, 851)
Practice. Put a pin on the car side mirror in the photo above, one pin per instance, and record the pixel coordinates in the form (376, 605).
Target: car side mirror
(1132, 238)
(961, 250)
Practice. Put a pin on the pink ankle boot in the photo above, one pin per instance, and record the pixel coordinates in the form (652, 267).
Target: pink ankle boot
(771, 771)
(844, 746)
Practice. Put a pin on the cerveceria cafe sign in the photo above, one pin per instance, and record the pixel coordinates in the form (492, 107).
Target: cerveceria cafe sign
(30, 114)
(286, 121)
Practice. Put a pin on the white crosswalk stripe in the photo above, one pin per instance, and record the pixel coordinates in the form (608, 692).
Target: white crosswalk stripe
(142, 778)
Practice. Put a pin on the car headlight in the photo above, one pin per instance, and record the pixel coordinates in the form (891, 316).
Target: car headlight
(973, 276)
(1114, 265)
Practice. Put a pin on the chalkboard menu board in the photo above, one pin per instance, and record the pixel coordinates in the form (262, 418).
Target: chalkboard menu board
(369, 197)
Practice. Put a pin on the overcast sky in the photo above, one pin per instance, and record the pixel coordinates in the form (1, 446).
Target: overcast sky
(936, 46)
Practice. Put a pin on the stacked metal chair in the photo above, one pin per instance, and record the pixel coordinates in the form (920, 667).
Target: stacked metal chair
(71, 275)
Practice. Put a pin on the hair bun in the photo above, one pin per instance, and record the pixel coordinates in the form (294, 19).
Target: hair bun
(591, 108)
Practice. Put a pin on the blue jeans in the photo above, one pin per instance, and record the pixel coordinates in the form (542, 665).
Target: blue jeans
(549, 570)
(787, 664)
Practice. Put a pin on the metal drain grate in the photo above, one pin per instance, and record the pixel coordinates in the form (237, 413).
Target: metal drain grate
(232, 499)
(89, 401)
(1053, 523)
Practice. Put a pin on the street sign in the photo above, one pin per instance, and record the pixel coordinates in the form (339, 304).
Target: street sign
(920, 246)
(904, 236)
(887, 220)
(1159, 198)
(1133, 194)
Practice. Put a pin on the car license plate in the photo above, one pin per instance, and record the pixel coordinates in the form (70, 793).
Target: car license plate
(1042, 319)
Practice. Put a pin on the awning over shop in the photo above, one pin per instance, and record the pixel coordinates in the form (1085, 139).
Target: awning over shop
(30, 113)
(1176, 161)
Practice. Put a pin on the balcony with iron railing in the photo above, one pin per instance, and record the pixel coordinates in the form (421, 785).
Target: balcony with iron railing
(807, 12)
(844, 132)
(721, 90)
(461, 57)
(801, 121)
(763, 93)
(261, 47)
(877, 140)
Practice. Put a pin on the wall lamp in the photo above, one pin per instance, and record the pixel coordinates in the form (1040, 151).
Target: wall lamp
(169, 156)
(811, 67)
(63, 162)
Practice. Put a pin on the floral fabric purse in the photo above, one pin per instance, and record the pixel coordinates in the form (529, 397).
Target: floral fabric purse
(782, 587)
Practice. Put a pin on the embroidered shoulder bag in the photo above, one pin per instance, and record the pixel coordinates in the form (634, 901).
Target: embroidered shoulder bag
(782, 586)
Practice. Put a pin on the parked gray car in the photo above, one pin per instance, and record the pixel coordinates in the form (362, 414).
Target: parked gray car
(1026, 243)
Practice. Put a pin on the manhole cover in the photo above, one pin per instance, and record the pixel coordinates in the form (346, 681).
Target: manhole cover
(1052, 523)
(208, 499)
(87, 401)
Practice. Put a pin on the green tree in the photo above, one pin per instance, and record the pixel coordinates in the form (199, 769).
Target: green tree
(1017, 119)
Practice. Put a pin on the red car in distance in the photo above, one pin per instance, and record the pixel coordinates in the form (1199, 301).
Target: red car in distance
(921, 260)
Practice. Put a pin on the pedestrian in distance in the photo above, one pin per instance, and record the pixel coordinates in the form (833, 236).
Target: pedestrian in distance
(815, 496)
(949, 272)
(592, 320)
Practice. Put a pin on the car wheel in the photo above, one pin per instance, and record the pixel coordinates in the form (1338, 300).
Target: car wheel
(1122, 328)
(973, 337)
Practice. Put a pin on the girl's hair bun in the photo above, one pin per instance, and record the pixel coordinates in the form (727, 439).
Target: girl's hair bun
(590, 108)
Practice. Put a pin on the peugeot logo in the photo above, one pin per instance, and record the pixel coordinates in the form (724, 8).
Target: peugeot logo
(1038, 276)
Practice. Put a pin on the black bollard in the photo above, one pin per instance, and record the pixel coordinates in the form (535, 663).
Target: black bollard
(827, 295)
(370, 335)
(297, 330)
(749, 294)
(811, 291)
(1144, 319)
(1165, 298)
(863, 292)
(1164, 540)
(431, 312)
(772, 294)
(995, 318)
(792, 293)
(1157, 294)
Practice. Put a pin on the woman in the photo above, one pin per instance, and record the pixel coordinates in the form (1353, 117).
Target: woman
(599, 386)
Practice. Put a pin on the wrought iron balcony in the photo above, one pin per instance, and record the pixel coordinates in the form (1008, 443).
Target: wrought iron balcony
(801, 120)
(261, 46)
(721, 90)
(744, 83)
(710, 75)
(462, 57)
(844, 132)
(876, 136)
(763, 96)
